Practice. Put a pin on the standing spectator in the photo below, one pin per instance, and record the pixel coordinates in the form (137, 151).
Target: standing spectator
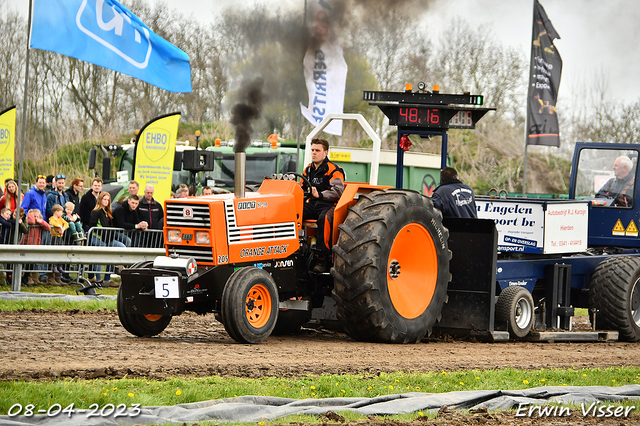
(35, 198)
(49, 185)
(126, 217)
(76, 187)
(134, 187)
(182, 193)
(34, 237)
(10, 197)
(101, 216)
(150, 210)
(57, 195)
(88, 202)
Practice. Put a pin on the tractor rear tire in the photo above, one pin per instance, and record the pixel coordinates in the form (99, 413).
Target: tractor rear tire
(249, 305)
(138, 324)
(515, 306)
(391, 268)
(615, 292)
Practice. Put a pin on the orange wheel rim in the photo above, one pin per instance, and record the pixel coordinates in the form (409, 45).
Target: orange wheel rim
(258, 306)
(412, 270)
(152, 317)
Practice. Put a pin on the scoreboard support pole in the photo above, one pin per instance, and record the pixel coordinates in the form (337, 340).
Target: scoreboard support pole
(399, 162)
(400, 151)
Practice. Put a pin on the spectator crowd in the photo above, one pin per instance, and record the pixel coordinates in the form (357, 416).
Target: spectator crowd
(52, 213)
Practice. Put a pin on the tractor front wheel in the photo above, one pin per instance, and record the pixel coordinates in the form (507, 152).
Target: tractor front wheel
(138, 324)
(249, 305)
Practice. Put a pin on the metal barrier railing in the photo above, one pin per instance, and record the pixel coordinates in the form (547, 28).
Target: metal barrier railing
(109, 238)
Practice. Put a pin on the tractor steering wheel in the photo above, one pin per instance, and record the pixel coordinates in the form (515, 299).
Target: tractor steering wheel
(307, 193)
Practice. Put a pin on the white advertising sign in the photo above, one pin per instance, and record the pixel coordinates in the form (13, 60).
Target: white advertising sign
(520, 225)
(566, 227)
(325, 70)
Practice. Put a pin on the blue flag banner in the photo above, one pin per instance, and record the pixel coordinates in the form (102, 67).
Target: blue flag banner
(105, 33)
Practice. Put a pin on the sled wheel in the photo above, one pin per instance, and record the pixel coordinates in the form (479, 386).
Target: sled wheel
(515, 305)
(391, 267)
(138, 324)
(615, 292)
(249, 305)
(290, 322)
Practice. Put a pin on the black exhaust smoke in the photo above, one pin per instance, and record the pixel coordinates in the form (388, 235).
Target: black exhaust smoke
(246, 110)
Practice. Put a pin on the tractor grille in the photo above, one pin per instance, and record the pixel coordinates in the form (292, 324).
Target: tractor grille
(200, 254)
(178, 215)
(268, 232)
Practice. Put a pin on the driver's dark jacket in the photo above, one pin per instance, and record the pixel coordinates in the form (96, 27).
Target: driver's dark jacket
(328, 179)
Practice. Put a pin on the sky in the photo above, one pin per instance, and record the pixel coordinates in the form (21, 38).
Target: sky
(597, 36)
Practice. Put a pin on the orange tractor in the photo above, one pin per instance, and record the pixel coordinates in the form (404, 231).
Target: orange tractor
(248, 257)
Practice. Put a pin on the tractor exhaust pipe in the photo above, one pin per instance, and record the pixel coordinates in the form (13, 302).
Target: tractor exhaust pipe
(241, 173)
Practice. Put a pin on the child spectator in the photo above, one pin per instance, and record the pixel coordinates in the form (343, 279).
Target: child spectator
(34, 237)
(22, 226)
(75, 226)
(58, 224)
(22, 229)
(58, 228)
(6, 224)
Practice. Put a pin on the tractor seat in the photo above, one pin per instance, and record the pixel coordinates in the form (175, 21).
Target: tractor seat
(310, 223)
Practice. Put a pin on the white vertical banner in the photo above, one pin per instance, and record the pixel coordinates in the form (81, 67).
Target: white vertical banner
(325, 69)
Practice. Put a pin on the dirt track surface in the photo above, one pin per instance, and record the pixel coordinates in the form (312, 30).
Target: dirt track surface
(46, 345)
(90, 344)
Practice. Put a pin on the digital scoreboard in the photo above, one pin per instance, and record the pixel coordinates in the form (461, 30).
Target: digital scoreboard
(429, 110)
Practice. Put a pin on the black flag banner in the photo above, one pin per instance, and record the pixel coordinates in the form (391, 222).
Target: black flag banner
(546, 68)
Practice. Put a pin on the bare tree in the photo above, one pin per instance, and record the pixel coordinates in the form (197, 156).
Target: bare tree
(12, 57)
(471, 60)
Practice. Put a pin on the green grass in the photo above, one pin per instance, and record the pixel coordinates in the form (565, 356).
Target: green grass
(57, 304)
(83, 393)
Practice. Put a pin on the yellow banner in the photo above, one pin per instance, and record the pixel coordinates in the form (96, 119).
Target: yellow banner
(7, 143)
(155, 151)
(340, 156)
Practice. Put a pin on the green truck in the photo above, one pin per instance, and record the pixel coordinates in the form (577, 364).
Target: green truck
(421, 170)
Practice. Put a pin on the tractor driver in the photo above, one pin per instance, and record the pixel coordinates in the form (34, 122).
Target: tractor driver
(327, 185)
(618, 188)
